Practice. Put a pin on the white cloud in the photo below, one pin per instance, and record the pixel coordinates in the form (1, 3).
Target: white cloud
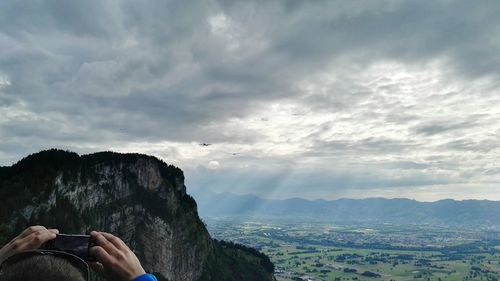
(238, 40)
(219, 24)
(4, 81)
(213, 164)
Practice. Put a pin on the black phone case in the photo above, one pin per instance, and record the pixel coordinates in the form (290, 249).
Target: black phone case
(50, 245)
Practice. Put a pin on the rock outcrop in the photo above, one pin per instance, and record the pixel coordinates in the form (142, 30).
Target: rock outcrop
(139, 198)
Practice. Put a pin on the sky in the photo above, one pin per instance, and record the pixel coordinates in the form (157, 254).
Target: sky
(311, 99)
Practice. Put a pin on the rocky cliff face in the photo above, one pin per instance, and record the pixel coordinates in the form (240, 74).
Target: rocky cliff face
(137, 197)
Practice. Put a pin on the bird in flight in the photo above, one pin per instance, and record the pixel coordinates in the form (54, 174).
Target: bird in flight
(205, 144)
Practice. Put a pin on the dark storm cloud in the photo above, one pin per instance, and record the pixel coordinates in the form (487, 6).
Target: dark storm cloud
(168, 34)
(417, 31)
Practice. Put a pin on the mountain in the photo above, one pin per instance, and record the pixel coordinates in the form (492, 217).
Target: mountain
(137, 197)
(372, 210)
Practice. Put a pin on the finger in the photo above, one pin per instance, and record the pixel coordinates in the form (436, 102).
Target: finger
(119, 244)
(96, 266)
(34, 240)
(101, 255)
(54, 230)
(29, 231)
(100, 240)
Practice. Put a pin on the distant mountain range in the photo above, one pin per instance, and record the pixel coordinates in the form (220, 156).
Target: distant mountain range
(372, 210)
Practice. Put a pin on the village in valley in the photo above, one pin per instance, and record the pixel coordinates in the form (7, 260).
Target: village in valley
(323, 251)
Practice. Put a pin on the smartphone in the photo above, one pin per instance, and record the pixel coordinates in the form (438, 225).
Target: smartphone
(77, 245)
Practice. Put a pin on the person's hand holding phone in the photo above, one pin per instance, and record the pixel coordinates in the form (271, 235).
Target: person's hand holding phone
(30, 239)
(115, 259)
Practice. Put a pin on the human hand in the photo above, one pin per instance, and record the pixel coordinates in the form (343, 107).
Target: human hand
(116, 261)
(30, 239)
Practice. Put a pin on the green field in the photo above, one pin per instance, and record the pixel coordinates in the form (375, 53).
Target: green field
(327, 263)
(383, 252)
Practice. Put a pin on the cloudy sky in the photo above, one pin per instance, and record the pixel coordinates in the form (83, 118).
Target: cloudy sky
(313, 99)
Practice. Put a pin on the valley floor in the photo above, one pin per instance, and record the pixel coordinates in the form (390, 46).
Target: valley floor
(320, 251)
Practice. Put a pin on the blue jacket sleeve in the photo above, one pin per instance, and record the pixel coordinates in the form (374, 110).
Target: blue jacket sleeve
(145, 277)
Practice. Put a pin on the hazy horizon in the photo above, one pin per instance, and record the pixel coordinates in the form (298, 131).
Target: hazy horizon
(311, 99)
(197, 192)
